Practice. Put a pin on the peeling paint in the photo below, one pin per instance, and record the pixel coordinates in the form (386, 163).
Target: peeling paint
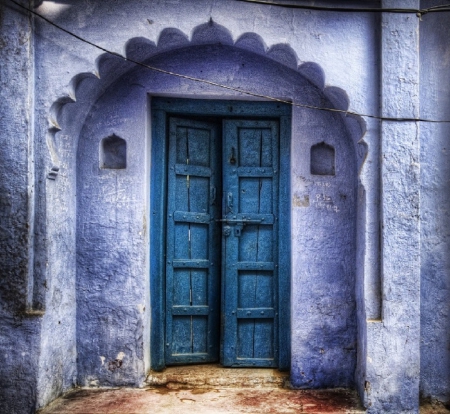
(301, 201)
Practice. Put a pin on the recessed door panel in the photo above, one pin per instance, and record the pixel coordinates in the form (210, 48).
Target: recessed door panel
(222, 242)
(249, 256)
(193, 259)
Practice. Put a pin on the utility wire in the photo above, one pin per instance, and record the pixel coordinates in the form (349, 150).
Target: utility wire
(219, 85)
(418, 12)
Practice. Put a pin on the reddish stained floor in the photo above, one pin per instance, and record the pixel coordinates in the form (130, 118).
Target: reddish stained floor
(164, 400)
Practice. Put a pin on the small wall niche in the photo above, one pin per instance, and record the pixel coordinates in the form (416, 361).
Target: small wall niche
(322, 159)
(113, 153)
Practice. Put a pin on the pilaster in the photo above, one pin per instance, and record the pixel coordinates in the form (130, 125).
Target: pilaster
(393, 343)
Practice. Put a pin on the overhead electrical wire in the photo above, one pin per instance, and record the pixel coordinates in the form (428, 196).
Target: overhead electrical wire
(222, 86)
(418, 12)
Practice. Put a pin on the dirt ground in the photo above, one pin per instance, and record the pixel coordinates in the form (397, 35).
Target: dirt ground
(163, 400)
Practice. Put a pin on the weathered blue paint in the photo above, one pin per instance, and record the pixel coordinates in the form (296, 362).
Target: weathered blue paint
(239, 253)
(192, 269)
(42, 73)
(250, 254)
(158, 238)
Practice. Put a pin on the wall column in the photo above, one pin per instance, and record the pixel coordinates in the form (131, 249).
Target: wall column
(20, 327)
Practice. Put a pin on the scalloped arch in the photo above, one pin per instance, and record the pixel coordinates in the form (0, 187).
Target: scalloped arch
(108, 68)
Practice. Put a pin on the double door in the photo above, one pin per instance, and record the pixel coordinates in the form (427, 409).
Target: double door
(221, 271)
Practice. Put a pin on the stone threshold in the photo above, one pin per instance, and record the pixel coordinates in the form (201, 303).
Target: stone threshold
(215, 375)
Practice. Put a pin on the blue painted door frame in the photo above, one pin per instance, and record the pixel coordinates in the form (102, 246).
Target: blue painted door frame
(189, 163)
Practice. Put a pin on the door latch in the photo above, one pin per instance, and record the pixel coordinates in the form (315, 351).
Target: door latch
(238, 230)
(230, 202)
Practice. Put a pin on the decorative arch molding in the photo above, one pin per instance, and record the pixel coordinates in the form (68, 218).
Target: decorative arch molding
(85, 88)
(112, 204)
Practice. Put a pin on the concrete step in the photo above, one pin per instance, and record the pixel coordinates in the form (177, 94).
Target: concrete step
(213, 376)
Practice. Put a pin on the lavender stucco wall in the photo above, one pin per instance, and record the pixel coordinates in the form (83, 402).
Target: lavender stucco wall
(19, 329)
(44, 73)
(84, 89)
(112, 230)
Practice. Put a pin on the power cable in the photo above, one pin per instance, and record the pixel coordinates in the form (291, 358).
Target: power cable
(219, 85)
(418, 12)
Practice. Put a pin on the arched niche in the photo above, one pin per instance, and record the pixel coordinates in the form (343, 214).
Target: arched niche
(114, 221)
(322, 161)
(113, 153)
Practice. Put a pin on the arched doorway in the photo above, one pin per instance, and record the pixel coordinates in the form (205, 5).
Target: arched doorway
(116, 307)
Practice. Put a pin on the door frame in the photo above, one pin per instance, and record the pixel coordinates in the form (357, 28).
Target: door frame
(161, 108)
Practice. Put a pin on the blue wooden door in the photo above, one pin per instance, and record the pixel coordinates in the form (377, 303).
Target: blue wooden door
(193, 243)
(222, 242)
(249, 254)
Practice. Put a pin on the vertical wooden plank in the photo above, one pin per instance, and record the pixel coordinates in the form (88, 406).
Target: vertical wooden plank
(198, 154)
(178, 288)
(264, 330)
(199, 188)
(249, 192)
(180, 145)
(192, 337)
(269, 148)
(177, 327)
(199, 248)
(200, 335)
(199, 144)
(246, 288)
(181, 287)
(250, 144)
(264, 344)
(250, 147)
(214, 243)
(244, 340)
(181, 335)
(231, 154)
(264, 290)
(255, 340)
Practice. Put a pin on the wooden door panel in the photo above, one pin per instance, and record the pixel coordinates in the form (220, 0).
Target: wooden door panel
(250, 272)
(255, 342)
(192, 271)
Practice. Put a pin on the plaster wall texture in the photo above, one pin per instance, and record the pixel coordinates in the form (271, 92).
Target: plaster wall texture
(19, 331)
(134, 330)
(38, 312)
(435, 219)
(97, 22)
(111, 285)
(397, 332)
(120, 111)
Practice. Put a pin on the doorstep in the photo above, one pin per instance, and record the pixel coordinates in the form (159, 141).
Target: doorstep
(213, 376)
(208, 389)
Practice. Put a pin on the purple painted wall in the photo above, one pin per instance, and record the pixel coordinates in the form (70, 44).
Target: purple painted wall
(368, 311)
(112, 207)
